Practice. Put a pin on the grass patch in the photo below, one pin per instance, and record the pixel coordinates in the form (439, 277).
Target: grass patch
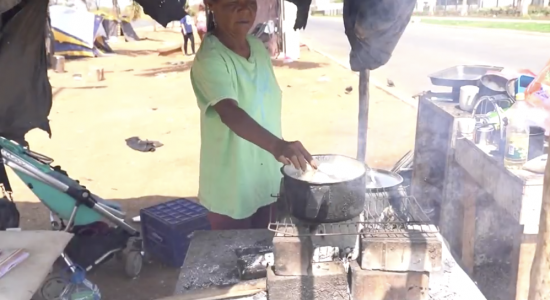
(533, 27)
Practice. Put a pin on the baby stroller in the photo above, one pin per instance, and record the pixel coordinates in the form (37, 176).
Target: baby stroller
(73, 209)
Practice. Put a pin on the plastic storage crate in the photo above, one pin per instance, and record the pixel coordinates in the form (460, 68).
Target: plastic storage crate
(167, 229)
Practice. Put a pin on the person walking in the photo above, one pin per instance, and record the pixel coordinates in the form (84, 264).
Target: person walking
(187, 31)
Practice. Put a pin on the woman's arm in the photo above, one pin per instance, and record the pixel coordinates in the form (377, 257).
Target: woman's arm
(210, 80)
(247, 128)
(244, 126)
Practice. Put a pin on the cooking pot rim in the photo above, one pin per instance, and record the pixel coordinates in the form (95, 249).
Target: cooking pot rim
(503, 88)
(396, 175)
(328, 183)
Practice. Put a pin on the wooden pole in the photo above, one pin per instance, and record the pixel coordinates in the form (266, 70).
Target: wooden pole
(241, 289)
(363, 115)
(539, 284)
(116, 9)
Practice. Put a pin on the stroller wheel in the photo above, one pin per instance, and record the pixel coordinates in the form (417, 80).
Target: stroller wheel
(133, 261)
(52, 287)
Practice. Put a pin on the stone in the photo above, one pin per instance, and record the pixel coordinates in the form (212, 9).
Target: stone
(328, 281)
(419, 252)
(382, 285)
(292, 255)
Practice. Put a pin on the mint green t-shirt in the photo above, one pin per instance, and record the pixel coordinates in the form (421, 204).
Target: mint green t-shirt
(236, 176)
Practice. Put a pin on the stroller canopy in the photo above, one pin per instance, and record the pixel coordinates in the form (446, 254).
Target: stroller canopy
(77, 33)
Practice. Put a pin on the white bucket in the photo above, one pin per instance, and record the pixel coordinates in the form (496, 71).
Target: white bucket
(468, 97)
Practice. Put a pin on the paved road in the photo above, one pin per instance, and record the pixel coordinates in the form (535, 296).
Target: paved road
(485, 19)
(424, 49)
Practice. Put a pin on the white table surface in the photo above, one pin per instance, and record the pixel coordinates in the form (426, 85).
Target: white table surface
(44, 248)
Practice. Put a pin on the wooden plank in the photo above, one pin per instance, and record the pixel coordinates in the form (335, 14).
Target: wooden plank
(241, 289)
(469, 193)
(539, 288)
(363, 117)
(521, 267)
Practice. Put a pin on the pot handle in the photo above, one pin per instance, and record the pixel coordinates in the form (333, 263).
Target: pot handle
(315, 200)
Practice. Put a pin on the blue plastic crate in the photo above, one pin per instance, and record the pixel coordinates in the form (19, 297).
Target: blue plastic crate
(167, 228)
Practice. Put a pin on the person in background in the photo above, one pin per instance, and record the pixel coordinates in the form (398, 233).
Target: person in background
(200, 21)
(187, 31)
(242, 148)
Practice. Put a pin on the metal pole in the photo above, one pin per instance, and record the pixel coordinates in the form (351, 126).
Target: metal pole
(363, 115)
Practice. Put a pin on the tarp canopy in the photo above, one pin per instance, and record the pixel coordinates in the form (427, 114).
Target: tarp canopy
(77, 33)
(26, 93)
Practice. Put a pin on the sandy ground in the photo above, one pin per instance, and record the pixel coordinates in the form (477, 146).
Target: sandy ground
(150, 96)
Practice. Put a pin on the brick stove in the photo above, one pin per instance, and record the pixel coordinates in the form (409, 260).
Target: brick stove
(387, 253)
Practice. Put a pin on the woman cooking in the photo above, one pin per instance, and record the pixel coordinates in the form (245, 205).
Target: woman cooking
(240, 104)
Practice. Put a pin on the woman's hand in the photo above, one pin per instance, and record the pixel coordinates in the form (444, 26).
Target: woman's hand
(293, 153)
(244, 126)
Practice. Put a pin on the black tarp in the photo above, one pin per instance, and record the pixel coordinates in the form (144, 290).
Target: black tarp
(6, 5)
(164, 11)
(25, 91)
(373, 28)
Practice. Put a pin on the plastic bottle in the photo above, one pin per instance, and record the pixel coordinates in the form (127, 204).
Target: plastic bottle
(80, 288)
(517, 135)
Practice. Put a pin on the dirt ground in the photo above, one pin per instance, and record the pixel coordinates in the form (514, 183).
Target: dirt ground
(150, 96)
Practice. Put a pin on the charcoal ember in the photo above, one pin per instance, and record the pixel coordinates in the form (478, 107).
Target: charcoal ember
(252, 262)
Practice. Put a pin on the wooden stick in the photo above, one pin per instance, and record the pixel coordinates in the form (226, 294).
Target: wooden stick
(241, 289)
(539, 285)
(363, 115)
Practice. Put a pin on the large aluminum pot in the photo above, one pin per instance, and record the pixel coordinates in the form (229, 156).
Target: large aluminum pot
(323, 198)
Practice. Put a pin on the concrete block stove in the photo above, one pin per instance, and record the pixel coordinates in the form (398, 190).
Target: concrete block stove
(386, 253)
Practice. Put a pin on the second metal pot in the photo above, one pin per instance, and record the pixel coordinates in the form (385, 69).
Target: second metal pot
(317, 202)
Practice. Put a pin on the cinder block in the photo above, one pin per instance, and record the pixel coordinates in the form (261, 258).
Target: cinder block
(381, 285)
(417, 252)
(292, 255)
(328, 281)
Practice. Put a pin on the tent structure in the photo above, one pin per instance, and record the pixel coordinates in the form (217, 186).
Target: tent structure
(78, 33)
(112, 27)
(128, 31)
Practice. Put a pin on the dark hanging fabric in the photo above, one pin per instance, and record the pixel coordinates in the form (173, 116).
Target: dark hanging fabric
(6, 5)
(26, 93)
(302, 13)
(163, 11)
(210, 23)
(373, 28)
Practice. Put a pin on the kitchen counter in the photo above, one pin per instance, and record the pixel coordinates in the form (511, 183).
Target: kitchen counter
(488, 213)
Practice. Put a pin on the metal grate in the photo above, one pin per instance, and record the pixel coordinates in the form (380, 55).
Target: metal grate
(385, 215)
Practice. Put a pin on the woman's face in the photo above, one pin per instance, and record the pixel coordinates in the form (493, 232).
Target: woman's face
(234, 16)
